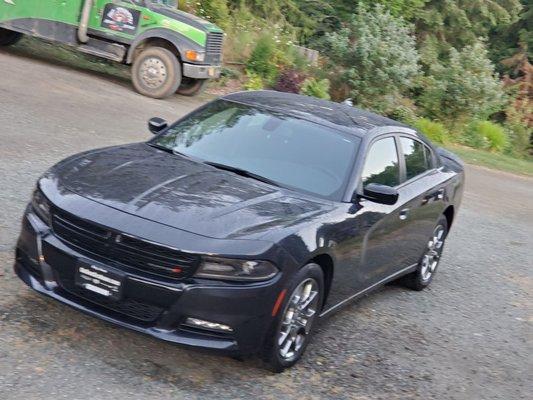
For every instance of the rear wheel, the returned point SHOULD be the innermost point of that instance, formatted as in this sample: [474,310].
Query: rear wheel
[156,73]
[294,324]
[191,86]
[7,37]
[427,267]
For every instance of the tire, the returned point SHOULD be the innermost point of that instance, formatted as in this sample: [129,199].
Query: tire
[156,73]
[276,354]
[427,266]
[7,37]
[191,87]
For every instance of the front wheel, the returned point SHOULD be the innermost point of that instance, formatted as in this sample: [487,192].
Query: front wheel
[191,87]
[156,73]
[427,267]
[7,37]
[293,326]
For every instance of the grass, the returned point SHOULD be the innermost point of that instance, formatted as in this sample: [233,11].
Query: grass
[487,159]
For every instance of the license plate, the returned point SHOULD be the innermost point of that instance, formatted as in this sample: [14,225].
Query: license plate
[211,72]
[99,279]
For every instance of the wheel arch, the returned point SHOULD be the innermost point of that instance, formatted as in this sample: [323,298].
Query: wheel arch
[326,263]
[449,213]
[172,41]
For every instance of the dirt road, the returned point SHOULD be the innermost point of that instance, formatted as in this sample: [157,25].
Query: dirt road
[468,337]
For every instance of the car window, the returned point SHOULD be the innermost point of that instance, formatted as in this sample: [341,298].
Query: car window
[381,165]
[416,159]
[293,152]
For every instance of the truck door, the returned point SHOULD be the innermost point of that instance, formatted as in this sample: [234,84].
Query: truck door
[118,19]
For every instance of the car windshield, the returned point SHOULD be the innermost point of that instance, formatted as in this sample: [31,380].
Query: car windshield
[289,151]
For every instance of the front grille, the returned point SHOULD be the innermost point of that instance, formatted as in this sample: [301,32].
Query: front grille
[130,307]
[147,257]
[214,43]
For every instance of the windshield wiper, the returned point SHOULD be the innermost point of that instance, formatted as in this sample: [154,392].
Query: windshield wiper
[242,172]
[167,149]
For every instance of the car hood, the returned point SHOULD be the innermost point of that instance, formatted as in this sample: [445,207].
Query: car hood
[176,191]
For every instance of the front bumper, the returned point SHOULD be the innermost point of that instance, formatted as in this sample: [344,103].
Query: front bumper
[201,71]
[157,308]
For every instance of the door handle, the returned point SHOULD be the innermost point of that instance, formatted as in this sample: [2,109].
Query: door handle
[438,195]
[404,213]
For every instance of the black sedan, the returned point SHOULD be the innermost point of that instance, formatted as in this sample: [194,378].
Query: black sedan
[241,225]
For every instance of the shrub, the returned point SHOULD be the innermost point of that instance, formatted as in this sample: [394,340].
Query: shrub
[290,81]
[435,131]
[465,88]
[262,60]
[316,88]
[376,57]
[254,82]
[486,135]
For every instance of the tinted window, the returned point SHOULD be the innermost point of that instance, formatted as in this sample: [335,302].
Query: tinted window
[290,151]
[416,159]
[381,165]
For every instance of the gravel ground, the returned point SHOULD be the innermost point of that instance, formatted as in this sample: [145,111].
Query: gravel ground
[468,337]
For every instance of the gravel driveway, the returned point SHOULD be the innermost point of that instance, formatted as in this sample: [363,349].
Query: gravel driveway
[468,337]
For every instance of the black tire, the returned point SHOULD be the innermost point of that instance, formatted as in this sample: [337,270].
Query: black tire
[156,73]
[272,351]
[191,87]
[423,276]
[7,37]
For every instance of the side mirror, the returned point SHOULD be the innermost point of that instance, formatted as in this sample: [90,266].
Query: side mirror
[380,193]
[157,125]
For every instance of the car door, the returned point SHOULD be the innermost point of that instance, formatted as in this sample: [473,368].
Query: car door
[423,194]
[119,19]
[384,243]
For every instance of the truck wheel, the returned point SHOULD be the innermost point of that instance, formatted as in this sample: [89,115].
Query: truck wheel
[191,87]
[156,73]
[7,37]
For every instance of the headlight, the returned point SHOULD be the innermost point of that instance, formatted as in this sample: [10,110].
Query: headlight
[193,55]
[236,270]
[41,206]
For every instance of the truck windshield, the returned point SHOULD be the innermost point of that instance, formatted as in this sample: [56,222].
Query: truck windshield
[168,3]
[291,152]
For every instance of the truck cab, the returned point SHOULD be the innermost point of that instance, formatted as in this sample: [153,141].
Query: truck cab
[169,50]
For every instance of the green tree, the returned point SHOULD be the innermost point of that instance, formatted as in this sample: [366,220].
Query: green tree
[464,88]
[376,57]
[461,22]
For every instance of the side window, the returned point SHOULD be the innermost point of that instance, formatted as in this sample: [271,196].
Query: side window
[417,157]
[381,165]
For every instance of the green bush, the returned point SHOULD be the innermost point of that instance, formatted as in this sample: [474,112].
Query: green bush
[254,82]
[262,60]
[316,88]
[486,135]
[464,88]
[435,131]
[375,57]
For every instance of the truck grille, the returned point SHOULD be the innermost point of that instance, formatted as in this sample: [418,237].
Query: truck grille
[214,43]
[116,247]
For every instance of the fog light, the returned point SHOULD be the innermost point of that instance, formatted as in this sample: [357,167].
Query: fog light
[200,323]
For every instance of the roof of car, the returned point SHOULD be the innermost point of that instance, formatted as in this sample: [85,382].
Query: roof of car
[313,109]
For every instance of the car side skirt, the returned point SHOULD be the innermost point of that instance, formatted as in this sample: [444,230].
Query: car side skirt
[363,292]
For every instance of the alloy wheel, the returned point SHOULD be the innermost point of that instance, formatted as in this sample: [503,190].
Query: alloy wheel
[431,258]
[298,318]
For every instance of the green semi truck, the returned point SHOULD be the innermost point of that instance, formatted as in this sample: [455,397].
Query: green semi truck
[169,50]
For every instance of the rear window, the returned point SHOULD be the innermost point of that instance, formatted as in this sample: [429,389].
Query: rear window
[417,157]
